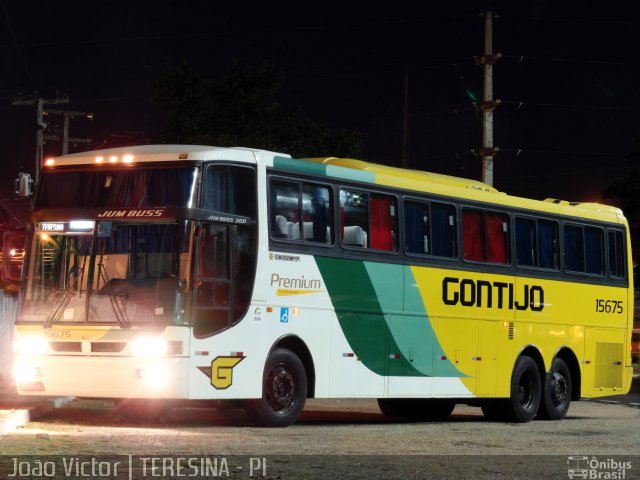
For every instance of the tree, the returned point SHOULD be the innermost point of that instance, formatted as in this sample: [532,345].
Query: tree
[635,147]
[242,110]
[626,192]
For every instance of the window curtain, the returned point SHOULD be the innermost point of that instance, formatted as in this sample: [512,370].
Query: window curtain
[548,244]
[414,228]
[525,242]
[472,236]
[442,230]
[497,250]
[380,221]
[573,249]
[594,252]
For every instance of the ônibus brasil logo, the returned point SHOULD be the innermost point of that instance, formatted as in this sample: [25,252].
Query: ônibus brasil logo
[595,468]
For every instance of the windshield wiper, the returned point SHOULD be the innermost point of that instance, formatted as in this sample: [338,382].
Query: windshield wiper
[61,307]
[67,294]
[118,307]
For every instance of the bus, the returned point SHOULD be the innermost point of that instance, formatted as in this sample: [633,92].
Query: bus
[157,275]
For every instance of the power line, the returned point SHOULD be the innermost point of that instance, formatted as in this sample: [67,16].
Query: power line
[548,19]
[520,104]
[556,173]
[522,58]
[245,32]
[15,44]
[519,151]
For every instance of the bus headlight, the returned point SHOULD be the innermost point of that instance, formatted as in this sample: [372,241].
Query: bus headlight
[148,347]
[30,346]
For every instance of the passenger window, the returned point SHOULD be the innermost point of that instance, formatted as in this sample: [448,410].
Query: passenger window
[548,254]
[584,249]
[485,236]
[301,211]
[472,236]
[285,209]
[526,252]
[430,229]
[368,220]
[594,250]
[316,214]
[573,249]
[497,251]
[536,243]
[616,254]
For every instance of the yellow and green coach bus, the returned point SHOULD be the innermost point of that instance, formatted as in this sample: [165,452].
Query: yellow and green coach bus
[160,274]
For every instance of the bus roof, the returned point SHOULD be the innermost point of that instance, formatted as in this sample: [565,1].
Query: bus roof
[446,185]
[408,174]
[157,153]
[347,168]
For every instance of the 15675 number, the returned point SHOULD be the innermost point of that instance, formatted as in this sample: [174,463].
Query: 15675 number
[609,306]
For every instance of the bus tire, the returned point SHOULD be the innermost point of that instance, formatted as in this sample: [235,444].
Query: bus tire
[284,391]
[526,391]
[416,408]
[393,407]
[436,409]
[556,395]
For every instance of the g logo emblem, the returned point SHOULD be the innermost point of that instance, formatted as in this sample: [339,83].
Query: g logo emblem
[222,371]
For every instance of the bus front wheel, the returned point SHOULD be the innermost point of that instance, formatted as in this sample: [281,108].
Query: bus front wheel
[284,391]
[556,396]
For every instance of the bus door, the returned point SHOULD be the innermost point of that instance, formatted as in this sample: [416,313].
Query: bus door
[226,249]
[213,281]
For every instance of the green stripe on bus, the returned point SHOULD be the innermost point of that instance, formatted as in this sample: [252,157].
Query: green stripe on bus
[357,309]
[320,169]
[351,174]
[418,328]
[368,298]
[293,165]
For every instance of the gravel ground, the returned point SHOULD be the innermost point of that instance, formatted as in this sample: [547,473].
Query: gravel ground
[346,437]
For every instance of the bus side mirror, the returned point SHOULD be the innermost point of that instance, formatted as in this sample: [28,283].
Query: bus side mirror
[24,185]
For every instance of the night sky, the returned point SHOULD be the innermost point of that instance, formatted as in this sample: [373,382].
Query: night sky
[568,80]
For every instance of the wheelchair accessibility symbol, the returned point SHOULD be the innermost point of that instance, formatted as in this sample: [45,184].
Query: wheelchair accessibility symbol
[284,315]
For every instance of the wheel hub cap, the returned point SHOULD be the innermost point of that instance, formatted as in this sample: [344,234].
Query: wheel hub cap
[559,388]
[282,390]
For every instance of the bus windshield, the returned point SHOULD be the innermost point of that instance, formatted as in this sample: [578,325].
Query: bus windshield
[139,188]
[108,273]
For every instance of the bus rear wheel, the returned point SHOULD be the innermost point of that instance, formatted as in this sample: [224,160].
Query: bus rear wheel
[416,408]
[284,391]
[556,395]
[526,391]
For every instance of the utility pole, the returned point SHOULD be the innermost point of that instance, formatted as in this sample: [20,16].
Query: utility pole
[405,123]
[488,103]
[40,125]
[65,130]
